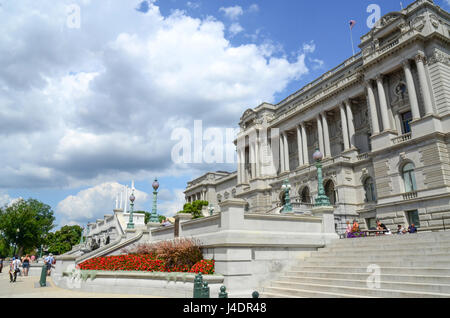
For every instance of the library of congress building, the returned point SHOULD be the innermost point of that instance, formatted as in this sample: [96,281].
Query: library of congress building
[381,120]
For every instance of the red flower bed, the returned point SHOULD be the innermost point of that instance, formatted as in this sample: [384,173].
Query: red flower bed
[146,262]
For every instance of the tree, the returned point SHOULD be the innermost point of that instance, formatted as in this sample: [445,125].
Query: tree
[147,216]
[195,208]
[26,222]
[63,240]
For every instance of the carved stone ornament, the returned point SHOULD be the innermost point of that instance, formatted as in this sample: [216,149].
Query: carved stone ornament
[403,156]
[434,21]
[418,23]
[364,171]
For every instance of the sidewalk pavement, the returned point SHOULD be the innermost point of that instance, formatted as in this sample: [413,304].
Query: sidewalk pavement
[27,287]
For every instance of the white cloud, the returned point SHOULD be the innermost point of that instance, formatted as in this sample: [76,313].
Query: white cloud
[173,204]
[232,13]
[235,28]
[193,5]
[95,202]
[309,47]
[85,106]
[6,200]
[255,8]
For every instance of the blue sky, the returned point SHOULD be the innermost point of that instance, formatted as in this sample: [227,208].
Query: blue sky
[86,108]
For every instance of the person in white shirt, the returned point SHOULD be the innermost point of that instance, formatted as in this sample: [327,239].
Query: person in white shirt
[14,268]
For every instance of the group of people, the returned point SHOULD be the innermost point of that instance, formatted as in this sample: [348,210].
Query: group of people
[353,229]
[24,262]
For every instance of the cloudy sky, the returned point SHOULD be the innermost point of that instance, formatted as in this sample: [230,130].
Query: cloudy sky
[92,90]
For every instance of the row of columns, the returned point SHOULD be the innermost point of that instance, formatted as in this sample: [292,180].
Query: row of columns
[411,93]
[197,196]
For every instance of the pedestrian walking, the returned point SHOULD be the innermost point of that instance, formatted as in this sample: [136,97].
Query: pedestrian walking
[14,268]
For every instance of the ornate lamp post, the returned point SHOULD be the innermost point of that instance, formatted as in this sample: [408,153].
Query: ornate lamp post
[211,210]
[130,224]
[153,214]
[322,199]
[15,245]
[287,206]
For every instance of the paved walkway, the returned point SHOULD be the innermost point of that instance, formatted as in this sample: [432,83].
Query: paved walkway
[26,287]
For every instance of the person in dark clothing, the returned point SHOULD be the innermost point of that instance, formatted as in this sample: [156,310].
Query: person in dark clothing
[412,229]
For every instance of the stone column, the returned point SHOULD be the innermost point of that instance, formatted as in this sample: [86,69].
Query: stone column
[372,108]
[281,153]
[420,59]
[239,173]
[252,159]
[383,103]
[286,152]
[320,134]
[411,91]
[300,146]
[257,157]
[351,125]
[326,135]
[305,145]
[344,127]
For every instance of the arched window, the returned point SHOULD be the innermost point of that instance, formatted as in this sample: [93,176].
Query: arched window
[305,195]
[409,178]
[369,188]
[330,192]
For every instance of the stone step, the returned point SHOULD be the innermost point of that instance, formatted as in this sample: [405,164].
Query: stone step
[381,258]
[356,291]
[424,279]
[386,239]
[427,249]
[274,292]
[380,262]
[370,243]
[394,270]
[362,283]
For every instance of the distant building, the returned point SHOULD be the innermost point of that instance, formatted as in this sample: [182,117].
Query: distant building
[381,119]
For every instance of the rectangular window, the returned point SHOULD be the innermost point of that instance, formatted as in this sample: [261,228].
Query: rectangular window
[406,120]
[371,223]
[413,218]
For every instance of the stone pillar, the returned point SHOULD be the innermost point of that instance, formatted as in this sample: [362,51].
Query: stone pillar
[420,59]
[320,134]
[239,173]
[326,135]
[252,160]
[372,108]
[383,104]
[300,147]
[411,91]
[282,169]
[344,127]
[286,152]
[305,145]
[257,157]
[351,125]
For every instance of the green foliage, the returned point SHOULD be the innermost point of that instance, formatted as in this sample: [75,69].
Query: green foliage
[195,208]
[63,240]
[147,216]
[34,220]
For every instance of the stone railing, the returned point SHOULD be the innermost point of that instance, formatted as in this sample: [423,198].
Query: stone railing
[402,138]
[363,156]
[410,195]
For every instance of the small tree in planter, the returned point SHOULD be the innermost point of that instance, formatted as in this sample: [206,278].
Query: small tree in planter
[195,208]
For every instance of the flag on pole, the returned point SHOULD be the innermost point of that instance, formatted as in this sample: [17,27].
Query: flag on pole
[352,23]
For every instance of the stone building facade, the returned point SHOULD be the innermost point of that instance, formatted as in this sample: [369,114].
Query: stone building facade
[382,121]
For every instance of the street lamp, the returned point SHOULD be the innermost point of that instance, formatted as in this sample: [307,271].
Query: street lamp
[287,206]
[211,210]
[154,214]
[322,199]
[15,246]
[130,224]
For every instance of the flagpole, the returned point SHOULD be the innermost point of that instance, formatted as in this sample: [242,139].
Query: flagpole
[351,37]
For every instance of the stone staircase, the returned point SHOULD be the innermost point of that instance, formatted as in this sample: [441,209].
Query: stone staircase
[412,265]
